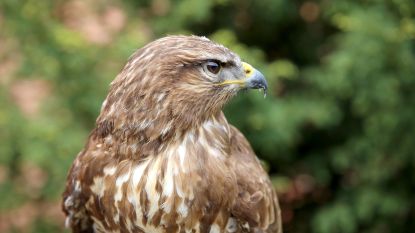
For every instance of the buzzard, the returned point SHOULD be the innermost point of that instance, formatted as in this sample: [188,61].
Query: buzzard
[163,158]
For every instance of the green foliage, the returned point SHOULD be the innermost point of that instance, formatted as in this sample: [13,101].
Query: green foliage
[336,131]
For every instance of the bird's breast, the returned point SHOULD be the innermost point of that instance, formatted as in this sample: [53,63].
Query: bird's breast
[187,187]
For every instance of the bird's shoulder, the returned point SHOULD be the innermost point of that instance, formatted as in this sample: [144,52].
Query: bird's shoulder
[87,166]
[256,202]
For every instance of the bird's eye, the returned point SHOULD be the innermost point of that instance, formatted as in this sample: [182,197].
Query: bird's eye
[213,67]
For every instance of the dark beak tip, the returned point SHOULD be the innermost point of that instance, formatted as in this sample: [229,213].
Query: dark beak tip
[258,82]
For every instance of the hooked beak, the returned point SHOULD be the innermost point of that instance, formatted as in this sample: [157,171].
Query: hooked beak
[253,79]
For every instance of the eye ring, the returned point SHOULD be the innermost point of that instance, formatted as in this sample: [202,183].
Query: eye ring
[212,67]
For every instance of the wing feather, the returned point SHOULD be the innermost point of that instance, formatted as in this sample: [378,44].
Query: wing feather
[257,202]
[73,203]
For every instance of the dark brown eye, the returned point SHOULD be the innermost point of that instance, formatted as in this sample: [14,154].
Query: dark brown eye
[213,67]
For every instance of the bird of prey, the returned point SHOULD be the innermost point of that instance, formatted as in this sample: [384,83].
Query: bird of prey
[163,158]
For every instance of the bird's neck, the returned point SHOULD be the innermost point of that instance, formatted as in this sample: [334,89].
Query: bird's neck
[142,139]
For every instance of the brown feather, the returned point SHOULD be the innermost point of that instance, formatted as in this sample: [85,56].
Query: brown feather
[163,158]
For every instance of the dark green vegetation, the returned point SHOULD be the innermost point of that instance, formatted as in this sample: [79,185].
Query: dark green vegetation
[337,130]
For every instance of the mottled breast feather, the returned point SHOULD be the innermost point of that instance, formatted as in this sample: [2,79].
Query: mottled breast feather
[163,158]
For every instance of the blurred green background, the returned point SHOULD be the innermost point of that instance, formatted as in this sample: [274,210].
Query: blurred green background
[337,130]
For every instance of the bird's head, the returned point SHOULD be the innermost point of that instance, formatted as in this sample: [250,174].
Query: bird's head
[179,79]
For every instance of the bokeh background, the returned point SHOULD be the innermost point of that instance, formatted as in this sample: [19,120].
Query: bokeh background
[336,132]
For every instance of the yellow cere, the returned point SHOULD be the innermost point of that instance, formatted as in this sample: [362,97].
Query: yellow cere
[249,70]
